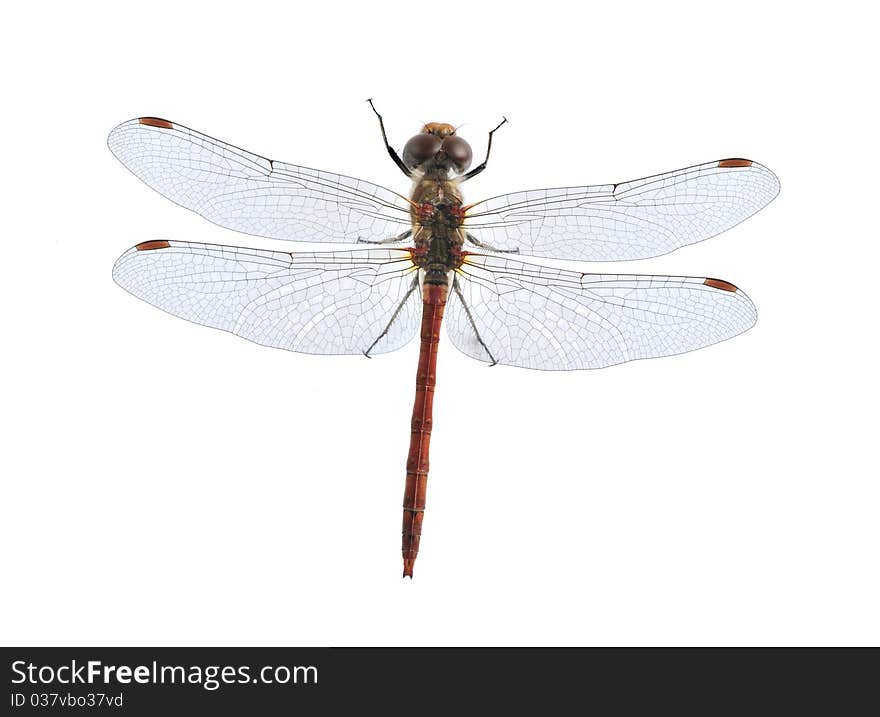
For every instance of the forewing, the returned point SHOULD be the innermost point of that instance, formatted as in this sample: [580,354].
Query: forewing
[630,220]
[251,194]
[320,303]
[553,319]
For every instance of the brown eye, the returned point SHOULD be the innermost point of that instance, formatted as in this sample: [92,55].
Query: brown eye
[419,149]
[459,153]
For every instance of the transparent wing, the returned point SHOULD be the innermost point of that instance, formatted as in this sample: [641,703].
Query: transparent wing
[320,303]
[553,319]
[251,194]
[631,220]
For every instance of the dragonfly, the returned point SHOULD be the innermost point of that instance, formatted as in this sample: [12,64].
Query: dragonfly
[426,258]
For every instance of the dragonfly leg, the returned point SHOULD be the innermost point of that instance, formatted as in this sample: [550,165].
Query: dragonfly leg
[412,288]
[457,289]
[476,170]
[399,237]
[397,160]
[488,247]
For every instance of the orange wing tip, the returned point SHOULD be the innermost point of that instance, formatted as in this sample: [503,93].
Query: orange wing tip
[719,284]
[735,163]
[155,122]
[151,245]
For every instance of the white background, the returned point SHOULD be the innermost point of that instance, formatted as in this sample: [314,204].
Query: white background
[164,483]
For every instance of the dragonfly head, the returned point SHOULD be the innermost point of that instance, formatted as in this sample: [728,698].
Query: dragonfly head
[437,147]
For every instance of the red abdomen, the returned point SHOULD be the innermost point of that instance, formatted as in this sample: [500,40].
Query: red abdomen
[434,301]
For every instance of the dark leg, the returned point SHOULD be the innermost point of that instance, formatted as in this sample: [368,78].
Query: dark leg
[488,247]
[412,288]
[397,160]
[474,172]
[399,237]
[467,311]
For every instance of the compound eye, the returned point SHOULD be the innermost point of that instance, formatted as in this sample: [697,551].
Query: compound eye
[459,153]
[419,149]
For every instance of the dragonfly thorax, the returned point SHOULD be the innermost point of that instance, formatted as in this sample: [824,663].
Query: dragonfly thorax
[438,232]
